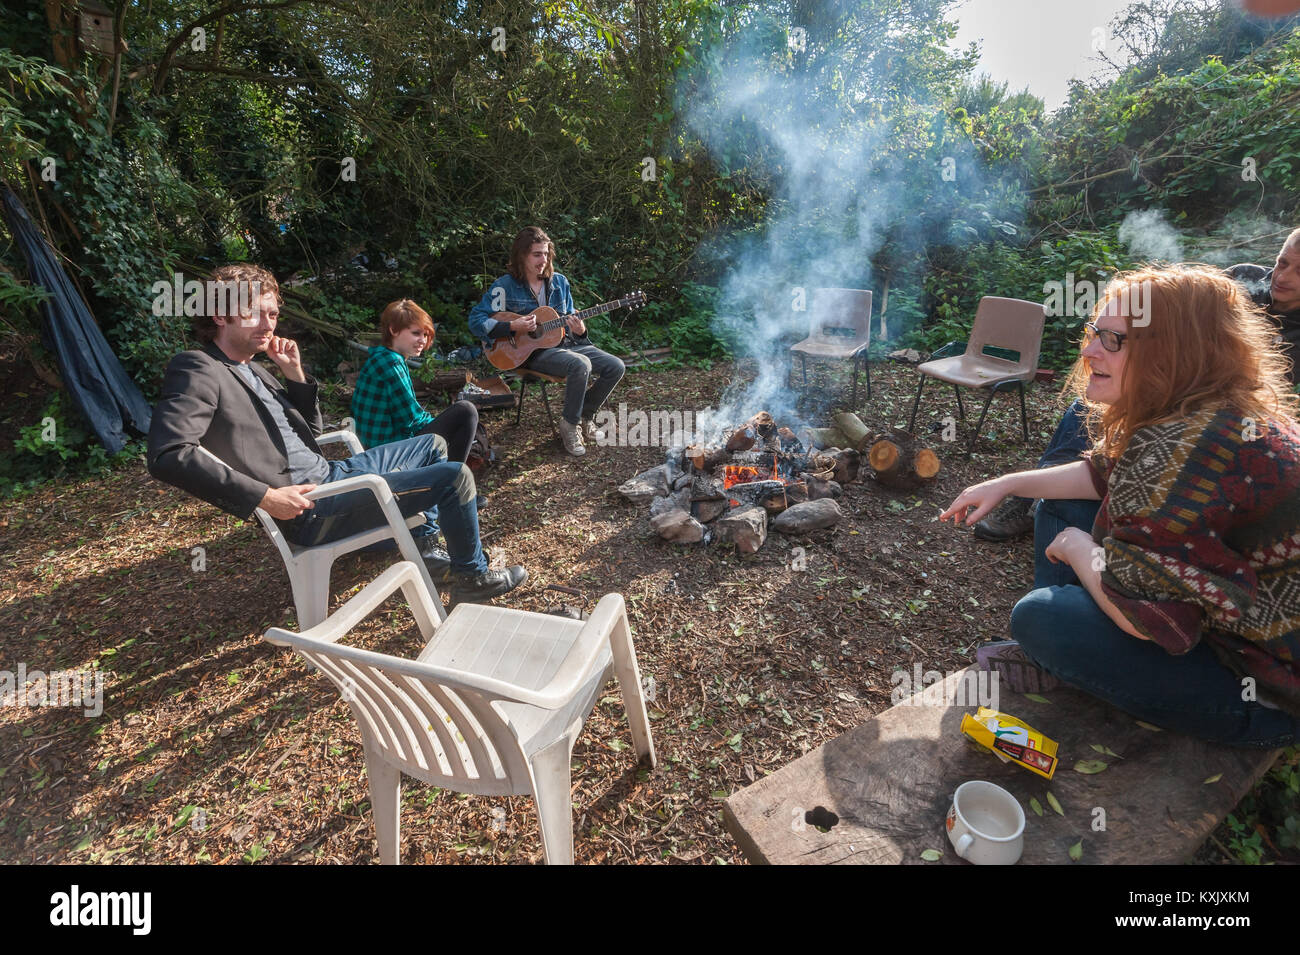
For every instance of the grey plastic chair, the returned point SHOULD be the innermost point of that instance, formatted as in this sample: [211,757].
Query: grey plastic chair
[1001,324]
[839,331]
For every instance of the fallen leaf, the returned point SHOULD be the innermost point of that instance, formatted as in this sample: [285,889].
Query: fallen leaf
[1090,766]
[1036,806]
[1076,851]
[1213,779]
[1036,698]
[1148,726]
[931,855]
[1106,750]
[1056,806]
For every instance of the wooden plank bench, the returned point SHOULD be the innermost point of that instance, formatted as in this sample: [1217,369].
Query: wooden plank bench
[890,781]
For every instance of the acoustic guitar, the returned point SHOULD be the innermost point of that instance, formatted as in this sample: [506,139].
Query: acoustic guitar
[512,351]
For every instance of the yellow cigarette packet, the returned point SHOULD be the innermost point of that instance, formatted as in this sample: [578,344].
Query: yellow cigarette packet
[1012,740]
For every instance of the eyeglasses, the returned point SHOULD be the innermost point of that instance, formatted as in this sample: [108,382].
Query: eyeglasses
[1111,341]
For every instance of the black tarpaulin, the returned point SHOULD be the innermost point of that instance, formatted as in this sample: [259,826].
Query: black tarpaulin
[95,379]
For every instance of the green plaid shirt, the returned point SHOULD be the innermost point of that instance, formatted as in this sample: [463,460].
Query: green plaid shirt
[383,403]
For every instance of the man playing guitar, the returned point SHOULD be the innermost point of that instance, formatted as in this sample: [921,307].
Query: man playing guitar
[531,283]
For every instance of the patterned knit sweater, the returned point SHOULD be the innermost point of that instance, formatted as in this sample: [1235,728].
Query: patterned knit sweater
[1200,523]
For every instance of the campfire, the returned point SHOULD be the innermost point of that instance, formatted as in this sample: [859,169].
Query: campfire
[730,490]
[760,475]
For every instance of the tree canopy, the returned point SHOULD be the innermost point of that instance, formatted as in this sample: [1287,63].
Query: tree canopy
[682,147]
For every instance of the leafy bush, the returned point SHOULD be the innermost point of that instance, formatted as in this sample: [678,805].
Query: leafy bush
[56,447]
[1266,825]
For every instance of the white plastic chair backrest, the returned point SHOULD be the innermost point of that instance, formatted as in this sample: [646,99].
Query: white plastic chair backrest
[841,316]
[1012,324]
[423,719]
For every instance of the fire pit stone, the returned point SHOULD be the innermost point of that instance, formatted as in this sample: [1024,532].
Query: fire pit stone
[817,488]
[746,529]
[678,526]
[648,485]
[711,510]
[705,488]
[808,516]
[677,501]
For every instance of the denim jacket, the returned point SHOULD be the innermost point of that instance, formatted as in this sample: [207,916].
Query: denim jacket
[517,297]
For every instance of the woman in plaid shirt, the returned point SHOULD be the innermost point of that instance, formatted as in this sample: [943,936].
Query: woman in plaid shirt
[384,407]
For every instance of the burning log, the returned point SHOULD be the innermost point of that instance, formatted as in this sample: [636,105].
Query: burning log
[901,461]
[759,429]
[742,439]
[705,459]
[763,424]
[758,492]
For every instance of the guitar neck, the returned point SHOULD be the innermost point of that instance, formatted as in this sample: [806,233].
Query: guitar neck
[583,315]
[598,309]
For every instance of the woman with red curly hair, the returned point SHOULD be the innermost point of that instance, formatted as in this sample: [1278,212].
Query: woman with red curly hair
[1181,604]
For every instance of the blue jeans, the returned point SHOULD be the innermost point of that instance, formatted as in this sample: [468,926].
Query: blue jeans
[577,365]
[1054,516]
[1062,629]
[420,477]
[1070,439]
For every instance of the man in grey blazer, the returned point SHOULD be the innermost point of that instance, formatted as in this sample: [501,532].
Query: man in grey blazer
[264,434]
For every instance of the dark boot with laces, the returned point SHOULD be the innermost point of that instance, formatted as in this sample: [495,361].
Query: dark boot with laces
[475,588]
[1013,518]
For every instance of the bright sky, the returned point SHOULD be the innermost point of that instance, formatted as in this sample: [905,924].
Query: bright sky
[1040,44]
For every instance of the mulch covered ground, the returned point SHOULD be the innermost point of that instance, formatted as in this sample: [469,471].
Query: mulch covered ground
[216,747]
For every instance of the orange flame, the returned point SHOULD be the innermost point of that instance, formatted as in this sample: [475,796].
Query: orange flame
[733,474]
[738,474]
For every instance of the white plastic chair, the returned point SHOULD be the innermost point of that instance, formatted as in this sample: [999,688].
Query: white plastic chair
[309,567]
[492,705]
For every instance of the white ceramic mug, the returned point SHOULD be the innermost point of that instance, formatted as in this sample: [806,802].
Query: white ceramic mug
[986,824]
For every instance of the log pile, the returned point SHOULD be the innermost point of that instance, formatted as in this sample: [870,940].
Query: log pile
[901,461]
